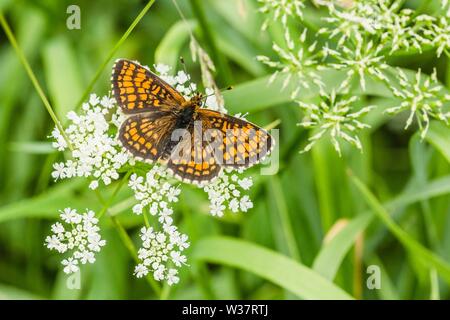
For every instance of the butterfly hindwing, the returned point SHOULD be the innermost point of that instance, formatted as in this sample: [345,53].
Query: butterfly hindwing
[241,143]
[146,136]
[192,160]
[137,90]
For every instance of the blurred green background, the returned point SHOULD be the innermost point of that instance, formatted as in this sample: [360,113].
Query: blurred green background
[312,194]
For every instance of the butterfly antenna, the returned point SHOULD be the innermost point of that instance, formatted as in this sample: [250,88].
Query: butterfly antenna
[187,74]
[221,90]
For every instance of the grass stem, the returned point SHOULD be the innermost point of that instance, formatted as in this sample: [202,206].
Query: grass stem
[32,77]
[112,52]
[199,13]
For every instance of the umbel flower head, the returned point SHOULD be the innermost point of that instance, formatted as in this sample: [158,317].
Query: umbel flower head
[423,97]
[297,65]
[379,20]
[364,59]
[78,234]
[96,153]
[334,116]
[161,253]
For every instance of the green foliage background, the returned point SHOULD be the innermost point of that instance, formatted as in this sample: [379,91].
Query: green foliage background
[275,251]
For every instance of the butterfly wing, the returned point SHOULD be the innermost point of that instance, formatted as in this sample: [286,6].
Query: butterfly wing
[146,136]
[136,89]
[241,143]
[192,160]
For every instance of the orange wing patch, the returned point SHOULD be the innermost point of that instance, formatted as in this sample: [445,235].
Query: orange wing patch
[136,89]
[146,137]
[242,144]
[192,160]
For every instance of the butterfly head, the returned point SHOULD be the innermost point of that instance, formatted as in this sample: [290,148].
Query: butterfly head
[197,99]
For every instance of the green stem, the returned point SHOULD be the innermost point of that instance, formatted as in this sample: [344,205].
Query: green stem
[112,52]
[132,250]
[198,269]
[322,171]
[121,230]
[165,292]
[285,219]
[32,77]
[209,39]
[111,199]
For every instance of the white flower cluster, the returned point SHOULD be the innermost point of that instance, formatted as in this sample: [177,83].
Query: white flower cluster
[79,234]
[296,65]
[161,253]
[424,98]
[227,192]
[95,152]
[441,35]
[281,9]
[364,59]
[360,37]
[335,117]
[156,192]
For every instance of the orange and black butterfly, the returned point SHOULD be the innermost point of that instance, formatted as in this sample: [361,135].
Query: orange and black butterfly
[193,142]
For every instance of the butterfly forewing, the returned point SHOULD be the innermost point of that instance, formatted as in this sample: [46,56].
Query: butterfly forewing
[137,90]
[146,136]
[241,143]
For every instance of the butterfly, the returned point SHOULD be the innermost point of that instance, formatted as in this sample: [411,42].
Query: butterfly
[162,126]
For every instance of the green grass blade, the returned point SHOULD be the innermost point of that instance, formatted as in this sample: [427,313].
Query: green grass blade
[112,52]
[427,257]
[439,136]
[285,219]
[168,50]
[330,257]
[47,204]
[32,76]
[269,265]
[60,63]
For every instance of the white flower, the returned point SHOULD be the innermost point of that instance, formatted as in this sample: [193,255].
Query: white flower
[160,250]
[71,265]
[140,271]
[177,258]
[162,69]
[245,183]
[172,277]
[60,144]
[53,242]
[181,77]
[93,185]
[245,203]
[80,235]
[59,172]
[69,215]
[85,257]
[57,228]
